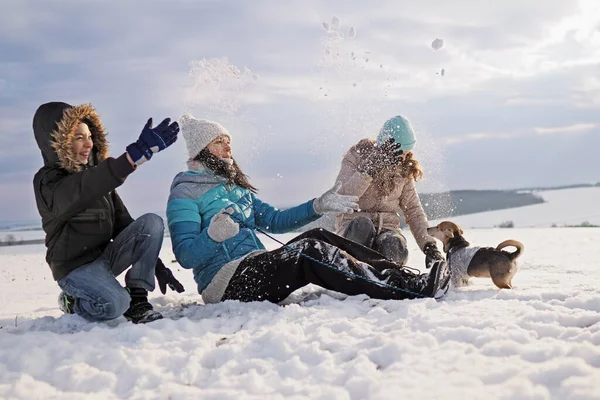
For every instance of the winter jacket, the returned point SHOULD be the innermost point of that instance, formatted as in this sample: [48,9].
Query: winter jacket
[383,211]
[80,210]
[196,196]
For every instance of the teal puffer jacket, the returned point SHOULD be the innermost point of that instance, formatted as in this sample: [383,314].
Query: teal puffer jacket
[196,197]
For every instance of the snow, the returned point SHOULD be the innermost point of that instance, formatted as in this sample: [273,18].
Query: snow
[540,340]
[335,23]
[216,86]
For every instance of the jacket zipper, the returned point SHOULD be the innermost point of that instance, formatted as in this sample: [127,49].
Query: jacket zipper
[110,214]
[88,217]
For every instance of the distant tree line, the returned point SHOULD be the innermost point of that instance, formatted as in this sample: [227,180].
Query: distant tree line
[12,240]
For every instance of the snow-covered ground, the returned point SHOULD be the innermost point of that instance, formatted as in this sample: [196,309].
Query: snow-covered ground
[540,340]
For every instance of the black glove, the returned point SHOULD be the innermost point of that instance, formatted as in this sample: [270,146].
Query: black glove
[432,254]
[376,158]
[165,277]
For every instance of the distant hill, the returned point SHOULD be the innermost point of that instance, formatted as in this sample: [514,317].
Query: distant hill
[458,202]
[574,186]
[461,202]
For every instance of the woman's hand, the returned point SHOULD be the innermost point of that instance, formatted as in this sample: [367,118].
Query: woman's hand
[222,227]
[331,200]
[375,158]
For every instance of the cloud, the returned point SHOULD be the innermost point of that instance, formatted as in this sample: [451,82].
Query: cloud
[575,129]
[566,130]
[513,69]
[477,136]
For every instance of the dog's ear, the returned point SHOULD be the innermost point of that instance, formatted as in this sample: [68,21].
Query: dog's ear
[449,233]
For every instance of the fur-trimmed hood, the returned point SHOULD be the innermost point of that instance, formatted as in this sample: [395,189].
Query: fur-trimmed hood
[54,126]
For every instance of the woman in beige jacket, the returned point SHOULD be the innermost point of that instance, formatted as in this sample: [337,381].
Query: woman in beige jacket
[382,173]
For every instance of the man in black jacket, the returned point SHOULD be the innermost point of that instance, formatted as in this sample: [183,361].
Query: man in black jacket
[90,236]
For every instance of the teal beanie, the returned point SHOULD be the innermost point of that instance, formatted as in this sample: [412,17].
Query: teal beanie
[401,130]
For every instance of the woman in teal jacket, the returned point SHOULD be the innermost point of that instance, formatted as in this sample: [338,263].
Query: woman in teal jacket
[213,213]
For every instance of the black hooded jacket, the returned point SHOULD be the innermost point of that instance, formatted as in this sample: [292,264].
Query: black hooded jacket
[80,209]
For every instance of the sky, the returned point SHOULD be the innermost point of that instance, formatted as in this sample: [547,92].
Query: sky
[517,104]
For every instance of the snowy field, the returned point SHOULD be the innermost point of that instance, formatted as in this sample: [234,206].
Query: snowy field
[540,340]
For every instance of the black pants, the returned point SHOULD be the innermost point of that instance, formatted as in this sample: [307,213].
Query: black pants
[390,243]
[327,260]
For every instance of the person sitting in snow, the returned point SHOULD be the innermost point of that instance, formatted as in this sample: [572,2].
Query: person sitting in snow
[212,215]
[90,236]
[382,173]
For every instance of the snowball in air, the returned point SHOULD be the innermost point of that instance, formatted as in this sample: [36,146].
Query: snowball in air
[335,22]
[437,44]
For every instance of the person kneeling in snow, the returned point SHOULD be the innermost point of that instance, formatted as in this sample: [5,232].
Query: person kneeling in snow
[90,236]
[382,173]
[212,215]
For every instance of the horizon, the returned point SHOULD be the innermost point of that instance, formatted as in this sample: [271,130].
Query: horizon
[298,83]
[37,221]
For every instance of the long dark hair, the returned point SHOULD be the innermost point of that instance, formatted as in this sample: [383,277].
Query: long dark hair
[232,173]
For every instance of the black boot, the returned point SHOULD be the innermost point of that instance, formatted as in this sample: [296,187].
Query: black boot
[140,310]
[433,284]
[438,280]
[66,303]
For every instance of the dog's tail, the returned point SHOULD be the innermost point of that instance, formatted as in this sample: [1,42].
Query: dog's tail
[514,255]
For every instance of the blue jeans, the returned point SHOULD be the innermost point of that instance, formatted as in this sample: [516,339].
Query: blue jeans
[99,295]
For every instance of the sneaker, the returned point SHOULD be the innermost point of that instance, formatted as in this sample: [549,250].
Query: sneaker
[142,312]
[66,303]
[438,283]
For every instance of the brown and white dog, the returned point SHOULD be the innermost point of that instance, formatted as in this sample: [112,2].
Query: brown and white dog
[483,262]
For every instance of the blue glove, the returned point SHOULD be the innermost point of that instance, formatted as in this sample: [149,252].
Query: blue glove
[153,140]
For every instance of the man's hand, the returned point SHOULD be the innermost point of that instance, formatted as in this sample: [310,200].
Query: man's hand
[152,140]
[165,278]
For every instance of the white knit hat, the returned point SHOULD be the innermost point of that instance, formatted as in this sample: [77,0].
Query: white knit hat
[198,133]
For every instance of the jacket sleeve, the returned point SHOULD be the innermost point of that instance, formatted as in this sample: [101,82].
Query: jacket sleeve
[414,215]
[191,245]
[354,183]
[273,220]
[122,216]
[67,195]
